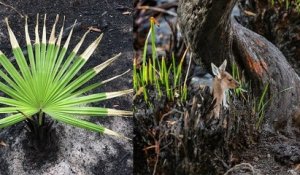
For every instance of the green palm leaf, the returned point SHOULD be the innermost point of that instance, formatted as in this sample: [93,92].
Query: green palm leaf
[43,81]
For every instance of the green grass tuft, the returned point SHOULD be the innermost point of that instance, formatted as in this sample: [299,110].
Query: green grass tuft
[157,73]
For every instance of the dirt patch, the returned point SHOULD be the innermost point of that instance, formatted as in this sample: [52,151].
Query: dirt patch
[78,151]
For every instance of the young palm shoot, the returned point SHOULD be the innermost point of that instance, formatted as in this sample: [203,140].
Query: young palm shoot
[44,83]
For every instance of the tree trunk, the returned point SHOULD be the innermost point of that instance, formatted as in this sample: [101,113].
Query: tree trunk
[214,35]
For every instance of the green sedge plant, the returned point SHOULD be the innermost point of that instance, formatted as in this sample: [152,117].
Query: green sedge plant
[47,83]
[261,106]
[262,103]
[239,77]
[157,73]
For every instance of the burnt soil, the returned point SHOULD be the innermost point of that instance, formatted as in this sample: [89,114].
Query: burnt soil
[75,151]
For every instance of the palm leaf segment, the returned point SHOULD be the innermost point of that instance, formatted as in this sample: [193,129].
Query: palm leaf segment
[46,83]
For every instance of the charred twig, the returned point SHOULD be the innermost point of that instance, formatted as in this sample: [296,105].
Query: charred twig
[189,66]
[155,166]
[156,143]
[157,151]
[123,158]
[196,118]
[241,166]
[94,29]
[166,146]
[123,8]
[186,120]
[107,3]
[182,143]
[77,26]
[194,108]
[169,113]
[2,143]
[157,9]
[150,147]
[6,5]
[222,161]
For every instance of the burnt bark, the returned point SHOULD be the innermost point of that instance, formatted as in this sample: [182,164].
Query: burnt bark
[214,35]
[279,24]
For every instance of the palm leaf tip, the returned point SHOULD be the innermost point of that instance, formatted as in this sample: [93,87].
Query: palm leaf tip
[13,41]
[26,31]
[60,33]
[52,38]
[90,50]
[44,40]
[113,133]
[115,77]
[118,93]
[66,45]
[119,112]
[37,38]
[100,67]
[77,47]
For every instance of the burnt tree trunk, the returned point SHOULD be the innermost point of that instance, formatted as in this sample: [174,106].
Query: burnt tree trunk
[214,35]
